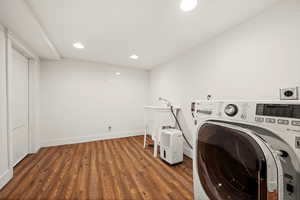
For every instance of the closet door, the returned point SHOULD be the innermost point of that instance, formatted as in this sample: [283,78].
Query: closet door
[18,102]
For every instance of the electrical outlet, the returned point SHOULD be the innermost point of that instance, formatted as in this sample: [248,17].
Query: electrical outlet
[109,128]
[289,93]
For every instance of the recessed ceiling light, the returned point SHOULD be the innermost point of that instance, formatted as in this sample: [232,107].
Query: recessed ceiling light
[78,45]
[188,5]
[118,73]
[134,57]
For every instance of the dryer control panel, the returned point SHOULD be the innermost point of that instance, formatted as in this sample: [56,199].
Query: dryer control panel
[282,115]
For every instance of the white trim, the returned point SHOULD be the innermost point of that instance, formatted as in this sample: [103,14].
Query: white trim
[35,150]
[19,160]
[7,173]
[5,178]
[8,95]
[33,105]
[12,42]
[30,137]
[91,138]
[18,45]
[42,30]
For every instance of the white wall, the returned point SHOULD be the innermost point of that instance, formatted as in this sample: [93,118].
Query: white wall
[79,100]
[251,61]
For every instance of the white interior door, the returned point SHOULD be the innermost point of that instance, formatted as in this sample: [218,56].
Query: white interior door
[18,102]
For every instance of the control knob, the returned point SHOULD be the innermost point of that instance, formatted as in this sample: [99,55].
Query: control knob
[231,110]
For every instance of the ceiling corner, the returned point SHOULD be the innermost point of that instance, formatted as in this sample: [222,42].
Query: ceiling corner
[43,31]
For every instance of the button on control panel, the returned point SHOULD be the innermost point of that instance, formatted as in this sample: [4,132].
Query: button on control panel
[278,121]
[283,121]
[259,119]
[296,123]
[270,120]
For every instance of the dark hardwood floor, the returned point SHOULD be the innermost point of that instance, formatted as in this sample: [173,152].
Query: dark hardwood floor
[106,170]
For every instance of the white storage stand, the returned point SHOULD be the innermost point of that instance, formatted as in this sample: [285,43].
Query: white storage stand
[171,146]
[155,118]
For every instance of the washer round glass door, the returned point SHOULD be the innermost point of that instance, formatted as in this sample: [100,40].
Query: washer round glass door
[231,164]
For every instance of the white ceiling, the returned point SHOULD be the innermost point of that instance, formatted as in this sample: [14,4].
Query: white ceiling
[18,18]
[112,30]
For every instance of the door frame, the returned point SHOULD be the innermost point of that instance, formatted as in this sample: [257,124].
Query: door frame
[13,43]
[10,84]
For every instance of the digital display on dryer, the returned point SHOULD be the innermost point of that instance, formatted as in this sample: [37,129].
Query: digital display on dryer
[278,110]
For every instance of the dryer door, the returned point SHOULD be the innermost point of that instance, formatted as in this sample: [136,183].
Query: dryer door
[231,164]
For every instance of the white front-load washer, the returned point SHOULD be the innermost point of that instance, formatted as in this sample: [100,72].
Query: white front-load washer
[247,150]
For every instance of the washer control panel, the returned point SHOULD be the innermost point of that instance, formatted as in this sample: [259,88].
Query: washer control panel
[271,114]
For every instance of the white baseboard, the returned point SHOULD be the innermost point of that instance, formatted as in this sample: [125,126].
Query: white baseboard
[35,149]
[188,152]
[19,160]
[5,178]
[91,138]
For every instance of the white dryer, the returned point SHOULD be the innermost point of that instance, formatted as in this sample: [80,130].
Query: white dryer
[247,150]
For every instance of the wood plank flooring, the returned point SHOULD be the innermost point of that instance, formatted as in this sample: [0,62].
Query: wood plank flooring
[117,169]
